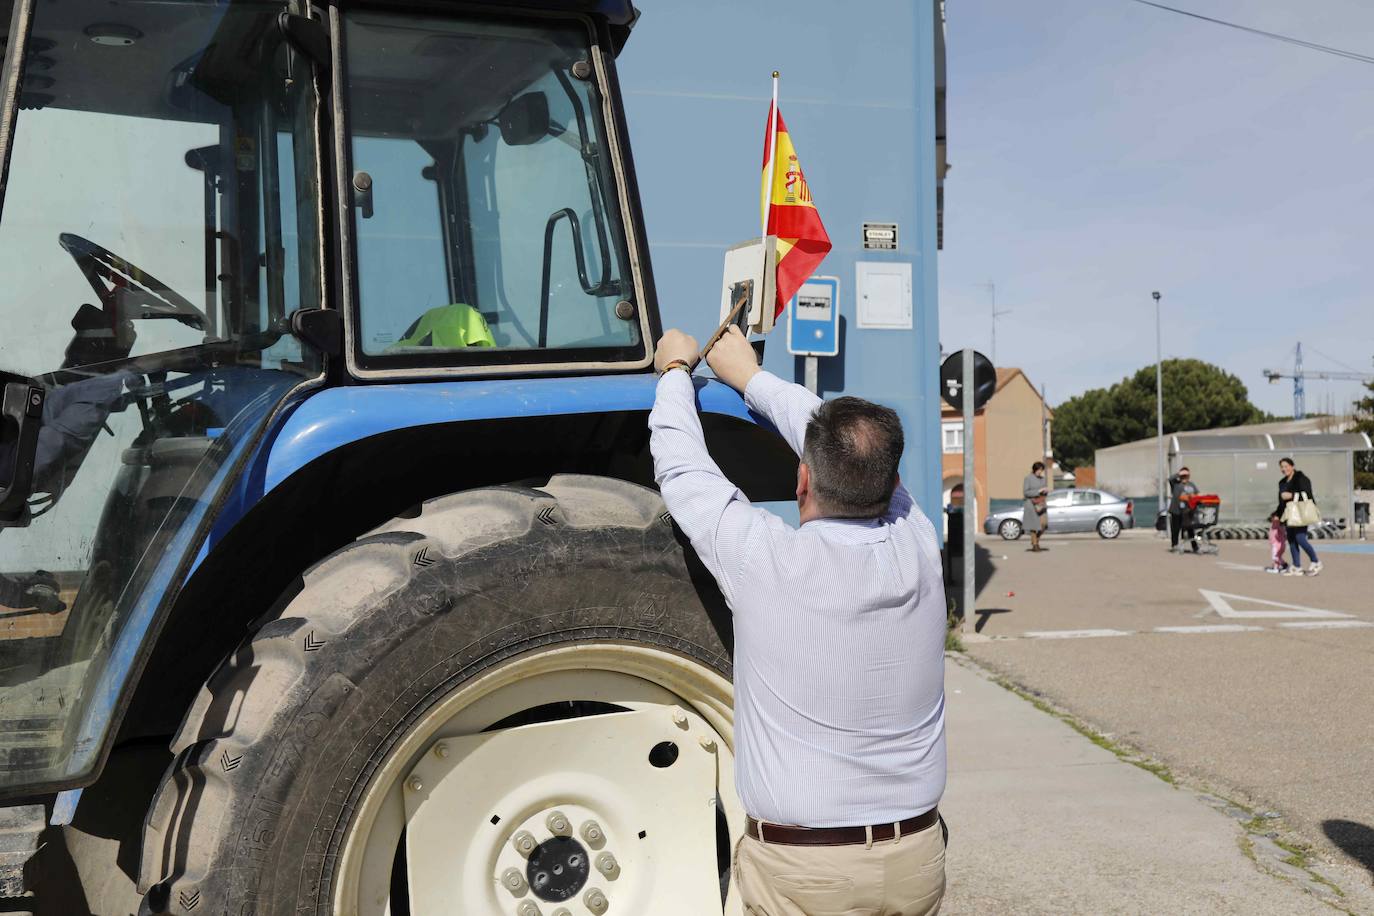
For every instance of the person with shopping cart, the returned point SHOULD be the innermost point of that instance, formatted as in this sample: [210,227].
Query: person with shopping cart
[1179,509]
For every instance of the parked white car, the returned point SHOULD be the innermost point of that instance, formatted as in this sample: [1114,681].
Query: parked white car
[1071,510]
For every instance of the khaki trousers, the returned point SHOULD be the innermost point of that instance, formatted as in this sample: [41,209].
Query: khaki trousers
[904,877]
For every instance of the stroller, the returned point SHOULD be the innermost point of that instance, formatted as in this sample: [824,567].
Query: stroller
[1203,511]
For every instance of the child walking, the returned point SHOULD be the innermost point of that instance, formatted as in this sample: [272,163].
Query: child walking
[1278,540]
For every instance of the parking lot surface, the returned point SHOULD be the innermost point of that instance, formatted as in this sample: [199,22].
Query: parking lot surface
[1254,685]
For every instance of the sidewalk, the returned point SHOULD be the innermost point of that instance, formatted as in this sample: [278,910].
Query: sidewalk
[1042,820]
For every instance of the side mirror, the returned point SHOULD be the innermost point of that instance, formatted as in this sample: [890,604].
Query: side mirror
[21,412]
[525,119]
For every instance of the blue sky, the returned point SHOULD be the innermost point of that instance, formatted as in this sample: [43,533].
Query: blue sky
[1102,149]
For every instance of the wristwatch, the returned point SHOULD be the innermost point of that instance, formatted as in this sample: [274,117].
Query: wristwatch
[677,364]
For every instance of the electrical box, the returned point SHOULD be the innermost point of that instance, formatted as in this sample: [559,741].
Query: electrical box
[882,295]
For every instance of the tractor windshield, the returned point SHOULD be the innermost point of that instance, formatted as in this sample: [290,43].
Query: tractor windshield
[159,227]
[488,222]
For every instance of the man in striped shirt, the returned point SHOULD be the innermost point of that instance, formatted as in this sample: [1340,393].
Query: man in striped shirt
[839,642]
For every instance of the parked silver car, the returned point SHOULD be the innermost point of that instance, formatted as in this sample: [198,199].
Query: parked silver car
[1071,510]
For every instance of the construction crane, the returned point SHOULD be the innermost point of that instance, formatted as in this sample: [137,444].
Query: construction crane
[1299,375]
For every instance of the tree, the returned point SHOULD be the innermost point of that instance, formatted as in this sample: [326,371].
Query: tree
[1364,423]
[1197,395]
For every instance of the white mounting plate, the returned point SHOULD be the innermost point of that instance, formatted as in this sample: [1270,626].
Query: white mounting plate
[756,261]
[591,767]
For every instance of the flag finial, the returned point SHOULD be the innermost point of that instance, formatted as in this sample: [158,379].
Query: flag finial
[775,74]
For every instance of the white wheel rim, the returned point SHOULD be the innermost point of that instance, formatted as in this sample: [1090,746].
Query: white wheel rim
[1111,527]
[662,691]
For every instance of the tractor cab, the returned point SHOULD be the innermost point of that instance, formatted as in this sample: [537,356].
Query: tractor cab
[214,209]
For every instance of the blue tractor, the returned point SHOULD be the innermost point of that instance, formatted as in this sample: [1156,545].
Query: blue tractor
[332,576]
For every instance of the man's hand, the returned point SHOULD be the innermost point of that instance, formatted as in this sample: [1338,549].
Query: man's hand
[733,360]
[674,344]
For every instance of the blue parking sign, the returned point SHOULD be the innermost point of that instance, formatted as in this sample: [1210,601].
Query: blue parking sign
[813,318]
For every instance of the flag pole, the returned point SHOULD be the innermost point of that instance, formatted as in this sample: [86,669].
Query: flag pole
[767,213]
[772,154]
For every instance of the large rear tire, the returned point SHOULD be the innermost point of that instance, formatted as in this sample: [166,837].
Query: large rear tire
[511,680]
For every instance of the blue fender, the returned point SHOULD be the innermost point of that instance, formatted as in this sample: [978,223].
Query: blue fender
[336,417]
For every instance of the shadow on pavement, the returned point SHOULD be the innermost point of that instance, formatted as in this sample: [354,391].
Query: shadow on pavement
[985,613]
[983,568]
[1355,840]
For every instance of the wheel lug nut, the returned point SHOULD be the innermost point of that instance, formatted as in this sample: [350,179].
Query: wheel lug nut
[441,749]
[562,911]
[527,908]
[607,865]
[707,744]
[679,717]
[524,843]
[416,784]
[595,901]
[514,881]
[591,832]
[558,824]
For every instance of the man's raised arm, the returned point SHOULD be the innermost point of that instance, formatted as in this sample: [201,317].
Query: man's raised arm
[709,509]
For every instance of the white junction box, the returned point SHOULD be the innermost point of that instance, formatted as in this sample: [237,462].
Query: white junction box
[882,294]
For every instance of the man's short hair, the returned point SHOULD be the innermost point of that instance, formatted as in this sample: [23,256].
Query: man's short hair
[1038,466]
[853,447]
[1184,468]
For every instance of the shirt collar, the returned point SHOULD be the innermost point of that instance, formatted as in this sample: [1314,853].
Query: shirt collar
[863,530]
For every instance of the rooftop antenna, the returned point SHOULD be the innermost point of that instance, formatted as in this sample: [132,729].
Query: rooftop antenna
[992,292]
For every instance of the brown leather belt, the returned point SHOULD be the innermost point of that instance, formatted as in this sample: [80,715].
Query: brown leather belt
[839,836]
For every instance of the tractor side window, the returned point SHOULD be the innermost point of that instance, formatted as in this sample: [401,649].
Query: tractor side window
[488,224]
[148,208]
[160,225]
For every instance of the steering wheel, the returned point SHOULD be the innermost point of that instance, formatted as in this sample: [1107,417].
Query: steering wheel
[130,291]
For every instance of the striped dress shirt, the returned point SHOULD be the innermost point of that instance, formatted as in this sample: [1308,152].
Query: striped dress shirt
[839,630]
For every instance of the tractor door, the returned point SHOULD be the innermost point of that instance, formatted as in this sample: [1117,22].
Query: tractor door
[490,199]
[160,224]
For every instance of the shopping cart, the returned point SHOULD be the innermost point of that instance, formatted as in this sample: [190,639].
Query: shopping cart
[1203,511]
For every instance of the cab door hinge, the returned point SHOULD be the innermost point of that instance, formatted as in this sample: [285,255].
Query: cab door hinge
[320,328]
[308,37]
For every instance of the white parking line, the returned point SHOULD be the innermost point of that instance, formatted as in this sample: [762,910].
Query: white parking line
[1074,634]
[1223,607]
[1326,624]
[1210,628]
[1204,628]
[1239,567]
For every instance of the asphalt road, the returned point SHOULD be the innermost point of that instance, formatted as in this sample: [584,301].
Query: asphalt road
[1259,687]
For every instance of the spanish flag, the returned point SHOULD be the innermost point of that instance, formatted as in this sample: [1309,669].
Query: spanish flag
[788,210]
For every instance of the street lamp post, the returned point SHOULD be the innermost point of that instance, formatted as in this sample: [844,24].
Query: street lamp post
[1159,397]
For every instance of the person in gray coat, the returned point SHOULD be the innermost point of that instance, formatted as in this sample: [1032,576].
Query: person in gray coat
[1034,515]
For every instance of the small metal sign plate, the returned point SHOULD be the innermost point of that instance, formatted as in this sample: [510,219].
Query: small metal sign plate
[880,236]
